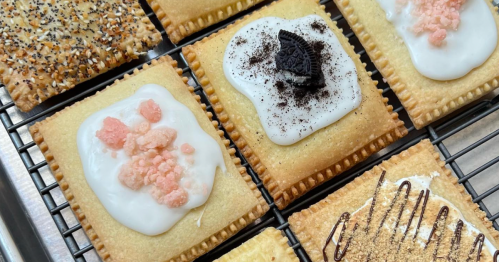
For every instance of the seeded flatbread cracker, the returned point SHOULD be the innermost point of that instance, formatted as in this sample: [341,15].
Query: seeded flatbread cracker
[48,47]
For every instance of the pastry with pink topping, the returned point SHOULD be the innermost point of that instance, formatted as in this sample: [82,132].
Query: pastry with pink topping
[143,167]
[436,55]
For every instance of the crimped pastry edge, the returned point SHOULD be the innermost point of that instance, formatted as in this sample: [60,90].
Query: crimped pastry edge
[26,102]
[195,251]
[419,118]
[304,238]
[284,197]
[271,232]
[179,32]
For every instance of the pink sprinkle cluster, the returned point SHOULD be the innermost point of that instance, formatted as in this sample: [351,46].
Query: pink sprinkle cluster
[152,160]
[436,17]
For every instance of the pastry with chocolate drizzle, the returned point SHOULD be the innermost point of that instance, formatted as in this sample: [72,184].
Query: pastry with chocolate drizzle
[409,209]
[435,237]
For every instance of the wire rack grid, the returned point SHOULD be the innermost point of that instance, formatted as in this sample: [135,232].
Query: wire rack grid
[15,122]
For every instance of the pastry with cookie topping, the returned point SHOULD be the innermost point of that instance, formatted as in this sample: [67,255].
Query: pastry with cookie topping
[294,96]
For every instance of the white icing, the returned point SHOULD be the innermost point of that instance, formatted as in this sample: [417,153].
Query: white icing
[285,126]
[137,209]
[466,48]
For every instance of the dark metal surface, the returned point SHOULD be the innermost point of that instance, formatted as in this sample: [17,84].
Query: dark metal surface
[18,225]
[15,124]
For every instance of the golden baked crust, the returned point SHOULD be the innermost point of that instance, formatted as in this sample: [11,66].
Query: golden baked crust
[424,99]
[183,18]
[313,225]
[268,246]
[290,171]
[47,47]
[222,218]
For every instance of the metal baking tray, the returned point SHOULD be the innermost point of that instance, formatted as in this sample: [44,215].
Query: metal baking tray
[37,224]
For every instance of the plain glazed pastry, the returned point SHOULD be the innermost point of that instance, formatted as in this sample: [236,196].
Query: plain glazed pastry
[183,18]
[268,246]
[130,169]
[435,61]
[301,117]
[409,208]
[47,47]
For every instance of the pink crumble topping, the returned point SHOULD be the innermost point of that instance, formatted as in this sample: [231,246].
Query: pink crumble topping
[152,159]
[113,133]
[436,17]
[150,110]
[187,149]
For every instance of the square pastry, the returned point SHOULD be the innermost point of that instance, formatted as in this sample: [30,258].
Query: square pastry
[268,246]
[409,208]
[434,65]
[167,188]
[183,18]
[47,47]
[296,131]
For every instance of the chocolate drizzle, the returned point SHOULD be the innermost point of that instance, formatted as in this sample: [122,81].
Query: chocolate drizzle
[442,215]
[413,213]
[478,241]
[456,241]
[423,208]
[338,255]
[436,235]
[373,203]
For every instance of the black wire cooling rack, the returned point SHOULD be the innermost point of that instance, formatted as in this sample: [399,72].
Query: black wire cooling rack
[437,133]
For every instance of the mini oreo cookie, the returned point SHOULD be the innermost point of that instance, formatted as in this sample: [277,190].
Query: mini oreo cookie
[298,61]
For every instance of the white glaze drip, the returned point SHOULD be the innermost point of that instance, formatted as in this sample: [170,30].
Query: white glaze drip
[290,124]
[137,209]
[465,49]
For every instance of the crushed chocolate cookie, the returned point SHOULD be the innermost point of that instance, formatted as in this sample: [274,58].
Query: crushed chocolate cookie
[241,41]
[298,62]
[318,47]
[318,26]
[289,106]
[264,52]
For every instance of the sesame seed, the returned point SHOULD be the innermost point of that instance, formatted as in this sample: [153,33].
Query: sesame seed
[90,62]
[54,84]
[11,71]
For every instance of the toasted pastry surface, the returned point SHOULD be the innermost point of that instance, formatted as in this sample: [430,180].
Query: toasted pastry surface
[290,171]
[183,18]
[268,246]
[424,99]
[234,201]
[313,225]
[47,47]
